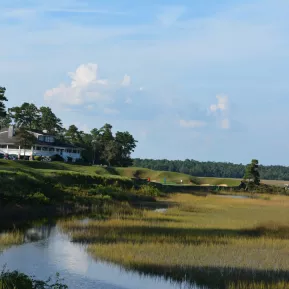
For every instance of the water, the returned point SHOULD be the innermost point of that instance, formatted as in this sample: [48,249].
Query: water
[162,210]
[52,252]
[234,196]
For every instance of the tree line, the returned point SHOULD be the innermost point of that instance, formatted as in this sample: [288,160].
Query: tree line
[212,169]
[100,145]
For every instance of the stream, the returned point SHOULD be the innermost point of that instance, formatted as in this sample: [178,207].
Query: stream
[48,251]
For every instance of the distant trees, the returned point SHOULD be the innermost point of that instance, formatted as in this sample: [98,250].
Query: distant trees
[212,169]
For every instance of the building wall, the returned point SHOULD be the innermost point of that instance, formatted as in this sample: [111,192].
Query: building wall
[28,152]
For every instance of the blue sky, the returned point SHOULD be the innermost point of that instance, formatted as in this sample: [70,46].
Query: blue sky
[204,80]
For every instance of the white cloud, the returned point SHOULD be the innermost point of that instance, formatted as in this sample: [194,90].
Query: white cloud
[86,74]
[222,104]
[85,87]
[192,123]
[126,80]
[221,109]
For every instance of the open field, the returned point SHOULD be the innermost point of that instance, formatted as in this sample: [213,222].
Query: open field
[210,241]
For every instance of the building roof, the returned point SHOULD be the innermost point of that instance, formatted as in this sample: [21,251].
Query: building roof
[4,139]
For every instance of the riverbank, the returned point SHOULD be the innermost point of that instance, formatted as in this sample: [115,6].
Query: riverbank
[32,190]
[209,241]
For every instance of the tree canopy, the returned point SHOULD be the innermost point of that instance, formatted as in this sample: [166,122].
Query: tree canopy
[252,172]
[49,121]
[2,100]
[27,116]
[101,146]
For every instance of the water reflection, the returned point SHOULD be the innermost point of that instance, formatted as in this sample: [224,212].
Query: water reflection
[51,252]
[234,196]
[37,233]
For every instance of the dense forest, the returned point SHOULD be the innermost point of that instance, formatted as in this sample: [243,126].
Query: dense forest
[212,169]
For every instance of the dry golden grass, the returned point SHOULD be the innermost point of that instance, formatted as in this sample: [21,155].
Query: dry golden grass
[11,238]
[201,237]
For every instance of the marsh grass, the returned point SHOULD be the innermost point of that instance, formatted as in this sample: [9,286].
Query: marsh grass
[11,238]
[8,239]
[212,241]
[259,285]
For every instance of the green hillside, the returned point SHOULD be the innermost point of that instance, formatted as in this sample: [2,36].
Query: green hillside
[172,178]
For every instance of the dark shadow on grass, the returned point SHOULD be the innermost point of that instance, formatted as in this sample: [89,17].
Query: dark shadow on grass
[156,219]
[154,205]
[145,234]
[43,165]
[271,230]
[212,277]
[112,171]
[93,233]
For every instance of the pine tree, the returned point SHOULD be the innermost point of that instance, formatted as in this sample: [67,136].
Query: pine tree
[252,172]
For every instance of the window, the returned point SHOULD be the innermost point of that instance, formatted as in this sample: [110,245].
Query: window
[68,150]
[58,150]
[51,149]
[38,148]
[41,138]
[74,151]
[49,139]
[44,148]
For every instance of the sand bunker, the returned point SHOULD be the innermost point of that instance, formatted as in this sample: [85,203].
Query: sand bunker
[223,185]
[205,185]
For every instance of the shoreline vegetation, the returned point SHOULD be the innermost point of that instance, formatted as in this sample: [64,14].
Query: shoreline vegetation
[31,190]
[199,237]
[212,241]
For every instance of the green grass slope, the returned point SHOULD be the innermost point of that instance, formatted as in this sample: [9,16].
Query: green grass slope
[172,178]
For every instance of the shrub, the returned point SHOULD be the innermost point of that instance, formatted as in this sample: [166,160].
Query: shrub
[57,158]
[38,198]
[149,191]
[69,159]
[38,158]
[19,280]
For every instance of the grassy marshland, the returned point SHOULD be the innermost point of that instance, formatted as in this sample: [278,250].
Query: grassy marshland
[213,241]
[10,238]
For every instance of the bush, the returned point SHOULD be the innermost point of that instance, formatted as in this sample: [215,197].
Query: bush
[17,280]
[38,198]
[57,158]
[69,159]
[38,158]
[149,191]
